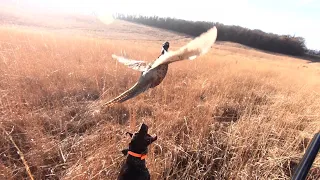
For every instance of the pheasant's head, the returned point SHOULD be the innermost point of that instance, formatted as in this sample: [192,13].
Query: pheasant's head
[166,46]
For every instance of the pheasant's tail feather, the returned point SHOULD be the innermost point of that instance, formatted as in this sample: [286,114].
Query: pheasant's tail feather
[130,93]
[120,97]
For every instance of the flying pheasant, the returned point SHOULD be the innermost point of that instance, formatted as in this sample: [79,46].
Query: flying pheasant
[154,72]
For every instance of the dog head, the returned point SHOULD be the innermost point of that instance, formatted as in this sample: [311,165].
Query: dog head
[140,141]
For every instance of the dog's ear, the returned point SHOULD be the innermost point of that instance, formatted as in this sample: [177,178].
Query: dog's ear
[130,134]
[125,152]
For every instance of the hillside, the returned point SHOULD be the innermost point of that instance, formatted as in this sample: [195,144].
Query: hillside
[256,38]
[235,113]
[89,25]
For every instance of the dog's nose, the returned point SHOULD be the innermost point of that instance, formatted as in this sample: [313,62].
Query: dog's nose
[155,138]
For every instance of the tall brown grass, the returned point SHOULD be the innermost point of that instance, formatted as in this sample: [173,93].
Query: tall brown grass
[234,113]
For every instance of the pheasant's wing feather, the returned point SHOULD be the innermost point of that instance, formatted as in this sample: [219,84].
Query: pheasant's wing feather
[192,50]
[134,64]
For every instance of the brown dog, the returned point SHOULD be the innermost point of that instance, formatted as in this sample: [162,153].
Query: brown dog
[134,167]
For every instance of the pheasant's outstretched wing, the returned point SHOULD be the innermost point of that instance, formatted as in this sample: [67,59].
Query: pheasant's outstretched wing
[192,50]
[134,64]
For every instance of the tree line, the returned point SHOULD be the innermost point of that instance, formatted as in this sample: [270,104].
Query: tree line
[285,44]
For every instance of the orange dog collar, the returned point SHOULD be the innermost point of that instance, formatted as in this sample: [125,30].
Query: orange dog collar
[141,156]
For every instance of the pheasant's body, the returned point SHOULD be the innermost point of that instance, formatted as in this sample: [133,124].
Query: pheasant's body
[157,74]
[160,72]
[154,73]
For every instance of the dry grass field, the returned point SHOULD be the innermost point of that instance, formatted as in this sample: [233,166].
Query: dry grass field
[234,113]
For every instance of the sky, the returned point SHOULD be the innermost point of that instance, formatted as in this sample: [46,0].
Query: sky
[288,17]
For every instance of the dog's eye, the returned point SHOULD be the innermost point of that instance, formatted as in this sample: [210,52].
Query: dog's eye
[148,140]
